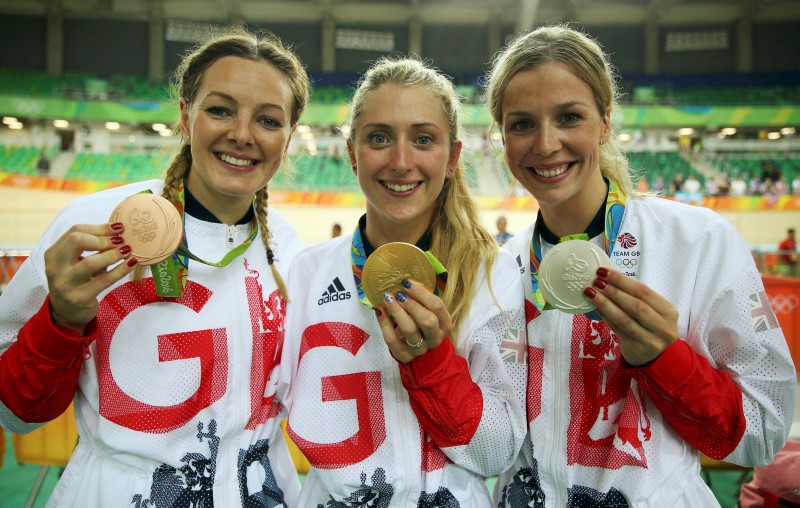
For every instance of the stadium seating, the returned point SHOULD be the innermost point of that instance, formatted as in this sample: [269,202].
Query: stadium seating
[140,89]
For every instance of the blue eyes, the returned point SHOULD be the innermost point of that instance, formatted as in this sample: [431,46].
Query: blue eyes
[221,112]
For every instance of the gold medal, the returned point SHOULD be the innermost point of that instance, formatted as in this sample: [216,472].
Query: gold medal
[390,264]
[153,227]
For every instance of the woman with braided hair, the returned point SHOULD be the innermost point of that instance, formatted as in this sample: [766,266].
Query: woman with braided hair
[172,390]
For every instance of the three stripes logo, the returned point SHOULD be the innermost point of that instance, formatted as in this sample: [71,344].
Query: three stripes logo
[334,293]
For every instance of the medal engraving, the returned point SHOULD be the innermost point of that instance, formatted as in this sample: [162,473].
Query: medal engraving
[153,227]
[390,264]
[566,270]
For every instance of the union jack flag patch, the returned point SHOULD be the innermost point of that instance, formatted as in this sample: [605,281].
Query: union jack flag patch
[513,348]
[761,311]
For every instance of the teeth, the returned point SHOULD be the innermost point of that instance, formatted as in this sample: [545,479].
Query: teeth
[549,173]
[235,161]
[400,188]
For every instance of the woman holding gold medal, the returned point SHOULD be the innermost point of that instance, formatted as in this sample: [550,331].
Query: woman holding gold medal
[405,346]
[650,334]
[170,377]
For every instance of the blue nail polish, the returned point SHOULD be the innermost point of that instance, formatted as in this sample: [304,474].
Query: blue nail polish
[388,297]
[406,283]
[401,297]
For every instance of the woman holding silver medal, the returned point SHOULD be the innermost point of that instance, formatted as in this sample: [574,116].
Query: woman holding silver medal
[170,378]
[631,373]
[405,346]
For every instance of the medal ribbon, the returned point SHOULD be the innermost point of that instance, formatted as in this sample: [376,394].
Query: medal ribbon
[171,274]
[615,209]
[359,257]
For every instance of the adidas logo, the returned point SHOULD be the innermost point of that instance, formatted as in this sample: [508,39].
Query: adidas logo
[519,263]
[334,293]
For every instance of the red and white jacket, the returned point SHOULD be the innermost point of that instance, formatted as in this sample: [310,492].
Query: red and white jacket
[173,397]
[380,433]
[603,433]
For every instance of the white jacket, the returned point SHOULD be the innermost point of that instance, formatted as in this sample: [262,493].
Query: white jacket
[351,415]
[175,404]
[596,438]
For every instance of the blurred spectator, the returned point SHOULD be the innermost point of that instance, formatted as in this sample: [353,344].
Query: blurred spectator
[502,235]
[788,256]
[692,185]
[781,187]
[658,185]
[756,187]
[724,186]
[336,230]
[43,164]
[642,185]
[796,185]
[738,186]
[677,183]
[777,484]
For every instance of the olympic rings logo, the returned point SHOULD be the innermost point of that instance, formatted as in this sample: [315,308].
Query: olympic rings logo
[575,286]
[627,262]
[147,237]
[784,304]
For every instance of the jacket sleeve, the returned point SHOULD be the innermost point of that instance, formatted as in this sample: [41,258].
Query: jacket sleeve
[736,377]
[39,371]
[462,396]
[702,404]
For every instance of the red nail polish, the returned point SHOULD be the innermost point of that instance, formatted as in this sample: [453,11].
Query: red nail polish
[117,240]
[132,261]
[125,249]
[589,292]
[600,283]
[378,312]
[117,226]
[603,271]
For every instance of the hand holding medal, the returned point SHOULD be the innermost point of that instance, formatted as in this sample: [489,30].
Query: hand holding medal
[386,268]
[399,280]
[85,261]
[153,227]
[566,270]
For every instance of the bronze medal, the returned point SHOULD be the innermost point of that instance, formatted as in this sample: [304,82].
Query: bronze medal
[389,265]
[153,227]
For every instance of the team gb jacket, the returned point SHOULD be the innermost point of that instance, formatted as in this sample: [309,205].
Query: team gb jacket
[174,402]
[353,407]
[603,433]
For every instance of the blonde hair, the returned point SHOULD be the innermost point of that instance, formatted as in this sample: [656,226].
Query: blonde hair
[457,238]
[584,56]
[188,76]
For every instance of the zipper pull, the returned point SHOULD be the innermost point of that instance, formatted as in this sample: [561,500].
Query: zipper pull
[230,240]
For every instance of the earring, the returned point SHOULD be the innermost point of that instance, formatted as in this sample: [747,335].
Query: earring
[602,142]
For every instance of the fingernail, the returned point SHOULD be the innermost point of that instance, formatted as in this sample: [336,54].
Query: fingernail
[589,292]
[132,261]
[600,283]
[378,312]
[116,240]
[401,297]
[117,226]
[388,297]
[406,283]
[603,271]
[125,249]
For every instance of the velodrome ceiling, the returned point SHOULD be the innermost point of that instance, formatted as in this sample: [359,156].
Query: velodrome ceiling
[521,13]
